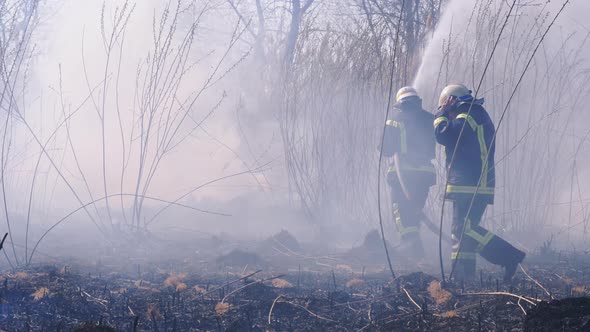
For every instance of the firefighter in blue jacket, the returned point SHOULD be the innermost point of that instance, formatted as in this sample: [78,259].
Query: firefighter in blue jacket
[465,129]
[410,141]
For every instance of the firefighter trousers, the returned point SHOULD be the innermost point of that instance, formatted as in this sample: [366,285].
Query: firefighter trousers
[408,213]
[469,239]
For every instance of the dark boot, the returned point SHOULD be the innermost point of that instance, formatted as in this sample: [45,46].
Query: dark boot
[498,251]
[510,268]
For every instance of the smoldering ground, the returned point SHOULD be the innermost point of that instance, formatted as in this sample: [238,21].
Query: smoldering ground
[120,114]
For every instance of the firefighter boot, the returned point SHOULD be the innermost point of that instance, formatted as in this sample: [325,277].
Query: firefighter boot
[498,251]
[510,268]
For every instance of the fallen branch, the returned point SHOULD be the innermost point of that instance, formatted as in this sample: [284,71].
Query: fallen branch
[301,255]
[536,282]
[230,283]
[521,308]
[310,312]
[500,293]
[272,307]
[93,299]
[411,299]
[370,319]
[248,285]
[465,308]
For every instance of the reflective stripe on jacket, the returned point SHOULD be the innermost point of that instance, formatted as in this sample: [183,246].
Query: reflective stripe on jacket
[409,134]
[475,147]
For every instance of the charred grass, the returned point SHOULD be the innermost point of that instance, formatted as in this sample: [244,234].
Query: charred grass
[181,297]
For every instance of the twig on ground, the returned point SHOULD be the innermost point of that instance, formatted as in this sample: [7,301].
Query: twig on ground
[536,282]
[248,285]
[467,307]
[272,307]
[521,308]
[310,312]
[94,299]
[370,320]
[411,299]
[230,283]
[501,293]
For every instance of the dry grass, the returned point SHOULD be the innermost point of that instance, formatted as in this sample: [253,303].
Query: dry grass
[221,308]
[181,287]
[449,314]
[145,286]
[40,293]
[152,311]
[175,279]
[281,283]
[199,289]
[567,281]
[581,290]
[356,282]
[122,290]
[21,275]
[440,295]
[344,268]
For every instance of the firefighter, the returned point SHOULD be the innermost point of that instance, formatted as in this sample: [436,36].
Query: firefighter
[465,129]
[409,141]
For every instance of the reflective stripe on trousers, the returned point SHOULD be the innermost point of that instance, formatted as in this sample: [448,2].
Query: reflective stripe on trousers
[469,190]
[400,226]
[468,251]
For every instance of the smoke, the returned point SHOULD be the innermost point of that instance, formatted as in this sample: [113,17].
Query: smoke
[542,152]
[75,64]
[123,98]
[179,102]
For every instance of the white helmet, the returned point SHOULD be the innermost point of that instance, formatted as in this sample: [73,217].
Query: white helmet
[455,90]
[405,92]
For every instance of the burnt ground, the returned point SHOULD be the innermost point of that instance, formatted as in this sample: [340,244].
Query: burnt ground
[276,285]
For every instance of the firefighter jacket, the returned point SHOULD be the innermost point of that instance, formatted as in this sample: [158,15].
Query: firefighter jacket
[409,134]
[472,169]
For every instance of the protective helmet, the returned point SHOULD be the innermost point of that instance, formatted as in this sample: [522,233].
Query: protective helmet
[457,90]
[405,92]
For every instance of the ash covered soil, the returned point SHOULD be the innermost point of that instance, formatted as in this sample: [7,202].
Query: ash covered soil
[278,284]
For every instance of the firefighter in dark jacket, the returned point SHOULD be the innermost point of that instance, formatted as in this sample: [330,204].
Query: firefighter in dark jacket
[409,140]
[465,129]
